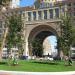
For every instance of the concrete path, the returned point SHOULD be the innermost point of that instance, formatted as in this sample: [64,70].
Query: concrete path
[36,73]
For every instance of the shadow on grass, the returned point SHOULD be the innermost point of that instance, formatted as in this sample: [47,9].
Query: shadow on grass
[45,62]
[3,63]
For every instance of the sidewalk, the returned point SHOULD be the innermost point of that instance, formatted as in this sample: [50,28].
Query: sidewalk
[36,73]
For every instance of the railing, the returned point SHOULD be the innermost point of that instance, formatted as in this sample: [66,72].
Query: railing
[42,14]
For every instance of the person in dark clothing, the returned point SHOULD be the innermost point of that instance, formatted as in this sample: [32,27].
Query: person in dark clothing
[70,61]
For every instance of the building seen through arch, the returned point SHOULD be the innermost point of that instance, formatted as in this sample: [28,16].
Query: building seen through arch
[47,47]
[50,44]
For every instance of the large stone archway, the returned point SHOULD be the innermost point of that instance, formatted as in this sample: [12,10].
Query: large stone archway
[41,32]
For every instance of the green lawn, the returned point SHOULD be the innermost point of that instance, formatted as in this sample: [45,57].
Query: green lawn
[38,66]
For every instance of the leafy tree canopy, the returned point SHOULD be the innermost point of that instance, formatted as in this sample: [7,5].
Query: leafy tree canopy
[15,28]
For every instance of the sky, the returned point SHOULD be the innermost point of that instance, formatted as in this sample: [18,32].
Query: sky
[26,3]
[53,40]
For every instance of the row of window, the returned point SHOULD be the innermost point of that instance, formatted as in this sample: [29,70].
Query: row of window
[71,4]
[45,5]
[51,14]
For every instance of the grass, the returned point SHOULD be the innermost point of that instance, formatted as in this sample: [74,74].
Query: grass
[38,66]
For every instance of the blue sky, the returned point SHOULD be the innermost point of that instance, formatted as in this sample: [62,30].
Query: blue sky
[53,40]
[26,3]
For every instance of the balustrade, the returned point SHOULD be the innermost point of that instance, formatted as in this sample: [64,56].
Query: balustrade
[43,14]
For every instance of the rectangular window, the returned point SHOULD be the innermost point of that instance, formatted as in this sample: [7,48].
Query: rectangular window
[74,9]
[57,13]
[0,35]
[4,25]
[45,14]
[63,9]
[23,14]
[73,51]
[0,24]
[69,4]
[1,30]
[74,4]
[51,13]
[39,15]
[29,16]
[74,13]
[50,5]
[34,15]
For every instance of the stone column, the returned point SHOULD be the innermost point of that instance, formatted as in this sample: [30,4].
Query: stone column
[31,16]
[42,15]
[26,16]
[26,52]
[48,14]
[54,16]
[25,45]
[36,15]
[66,9]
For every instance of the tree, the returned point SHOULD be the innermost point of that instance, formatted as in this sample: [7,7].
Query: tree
[4,2]
[37,48]
[37,3]
[15,36]
[67,35]
[73,36]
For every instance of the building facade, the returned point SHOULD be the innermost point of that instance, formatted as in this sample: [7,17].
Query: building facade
[15,4]
[41,22]
[47,50]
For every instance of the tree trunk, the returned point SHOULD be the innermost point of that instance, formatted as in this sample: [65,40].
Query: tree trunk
[3,43]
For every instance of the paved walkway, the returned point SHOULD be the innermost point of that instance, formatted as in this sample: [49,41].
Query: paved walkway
[36,73]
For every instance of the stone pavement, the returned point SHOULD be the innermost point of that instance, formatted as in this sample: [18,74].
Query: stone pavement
[35,73]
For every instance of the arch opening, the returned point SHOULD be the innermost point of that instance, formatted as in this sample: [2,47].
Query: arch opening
[38,36]
[50,46]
